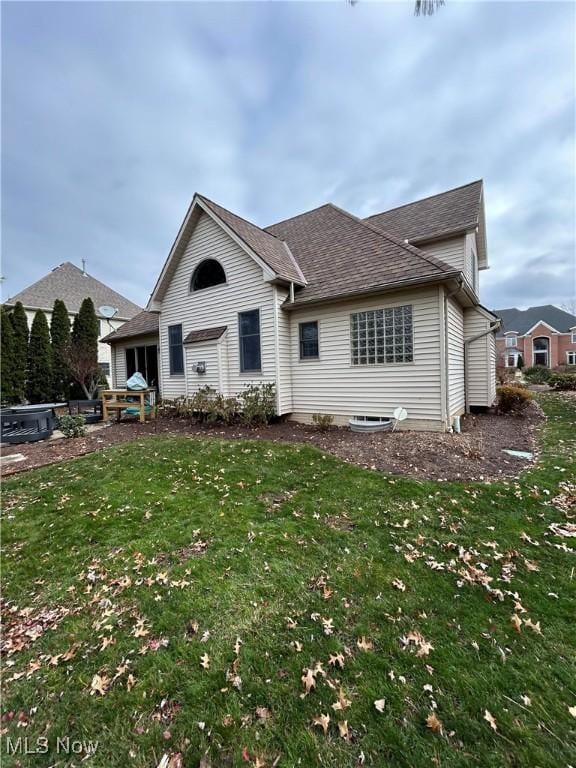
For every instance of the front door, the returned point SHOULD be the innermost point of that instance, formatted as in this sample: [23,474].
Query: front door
[541,351]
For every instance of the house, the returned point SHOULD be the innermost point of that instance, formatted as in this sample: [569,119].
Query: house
[72,285]
[540,335]
[346,316]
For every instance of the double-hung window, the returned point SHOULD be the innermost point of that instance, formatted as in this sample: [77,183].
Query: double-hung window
[249,335]
[176,351]
[308,333]
[511,340]
[571,358]
[382,336]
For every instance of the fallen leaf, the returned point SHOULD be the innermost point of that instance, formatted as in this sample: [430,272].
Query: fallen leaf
[342,703]
[516,622]
[380,704]
[336,660]
[309,680]
[434,723]
[99,684]
[364,644]
[572,711]
[323,721]
[263,713]
[205,661]
[490,719]
[343,729]
[399,584]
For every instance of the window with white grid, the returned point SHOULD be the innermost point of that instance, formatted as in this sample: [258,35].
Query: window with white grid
[382,336]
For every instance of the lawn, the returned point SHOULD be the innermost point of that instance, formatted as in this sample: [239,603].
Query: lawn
[191,602]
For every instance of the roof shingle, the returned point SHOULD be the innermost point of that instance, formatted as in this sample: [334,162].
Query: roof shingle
[434,216]
[272,250]
[522,320]
[342,255]
[69,283]
[205,334]
[142,323]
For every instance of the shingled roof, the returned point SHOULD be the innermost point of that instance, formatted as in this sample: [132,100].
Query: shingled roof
[435,216]
[342,255]
[69,283]
[272,250]
[522,320]
[141,324]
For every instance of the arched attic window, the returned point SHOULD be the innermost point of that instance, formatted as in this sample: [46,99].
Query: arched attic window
[208,273]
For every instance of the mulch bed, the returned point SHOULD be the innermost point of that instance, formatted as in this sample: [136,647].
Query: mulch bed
[475,454]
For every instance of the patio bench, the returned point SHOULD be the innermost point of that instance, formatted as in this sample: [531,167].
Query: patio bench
[26,427]
[90,409]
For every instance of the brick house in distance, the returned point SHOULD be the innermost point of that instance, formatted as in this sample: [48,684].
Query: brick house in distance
[541,335]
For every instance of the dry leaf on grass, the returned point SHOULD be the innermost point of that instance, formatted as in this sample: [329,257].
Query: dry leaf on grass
[516,622]
[364,644]
[342,703]
[99,684]
[308,681]
[336,660]
[323,721]
[490,719]
[399,584]
[434,723]
[205,661]
[343,730]
[380,704]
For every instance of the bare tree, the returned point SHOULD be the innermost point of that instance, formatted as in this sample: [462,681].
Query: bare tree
[569,306]
[83,367]
[427,7]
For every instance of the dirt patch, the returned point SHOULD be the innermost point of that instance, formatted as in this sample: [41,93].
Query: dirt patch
[475,454]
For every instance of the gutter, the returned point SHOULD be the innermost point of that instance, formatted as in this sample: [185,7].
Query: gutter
[376,290]
[492,327]
[446,364]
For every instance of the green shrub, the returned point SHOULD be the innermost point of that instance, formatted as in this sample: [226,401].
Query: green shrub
[537,374]
[513,398]
[224,409]
[323,421]
[563,382]
[258,404]
[72,426]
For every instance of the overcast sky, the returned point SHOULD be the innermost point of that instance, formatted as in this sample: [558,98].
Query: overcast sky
[114,114]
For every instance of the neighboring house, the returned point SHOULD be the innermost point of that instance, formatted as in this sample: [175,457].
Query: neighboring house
[541,335]
[347,316]
[72,284]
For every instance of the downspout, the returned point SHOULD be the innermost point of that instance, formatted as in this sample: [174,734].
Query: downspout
[493,327]
[446,367]
[291,293]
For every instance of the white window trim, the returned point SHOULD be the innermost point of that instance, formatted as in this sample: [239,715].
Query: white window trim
[573,337]
[508,355]
[570,353]
[512,340]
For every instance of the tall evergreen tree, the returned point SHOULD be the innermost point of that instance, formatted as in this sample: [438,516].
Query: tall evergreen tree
[7,394]
[21,336]
[60,335]
[39,385]
[83,355]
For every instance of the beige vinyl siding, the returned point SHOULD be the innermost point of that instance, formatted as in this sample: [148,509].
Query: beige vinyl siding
[118,355]
[480,359]
[244,290]
[284,384]
[457,253]
[333,385]
[455,352]
[206,352]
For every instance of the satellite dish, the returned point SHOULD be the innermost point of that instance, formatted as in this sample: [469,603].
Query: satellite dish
[400,414]
[107,311]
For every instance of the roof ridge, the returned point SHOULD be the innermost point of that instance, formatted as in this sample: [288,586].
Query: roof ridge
[406,246]
[297,216]
[247,221]
[423,199]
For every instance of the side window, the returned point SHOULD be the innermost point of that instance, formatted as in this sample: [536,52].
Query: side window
[207,274]
[308,333]
[249,335]
[175,349]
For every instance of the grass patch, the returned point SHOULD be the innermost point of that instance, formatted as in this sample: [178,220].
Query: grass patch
[124,569]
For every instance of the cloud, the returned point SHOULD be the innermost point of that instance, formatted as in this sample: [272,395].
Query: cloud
[114,114]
